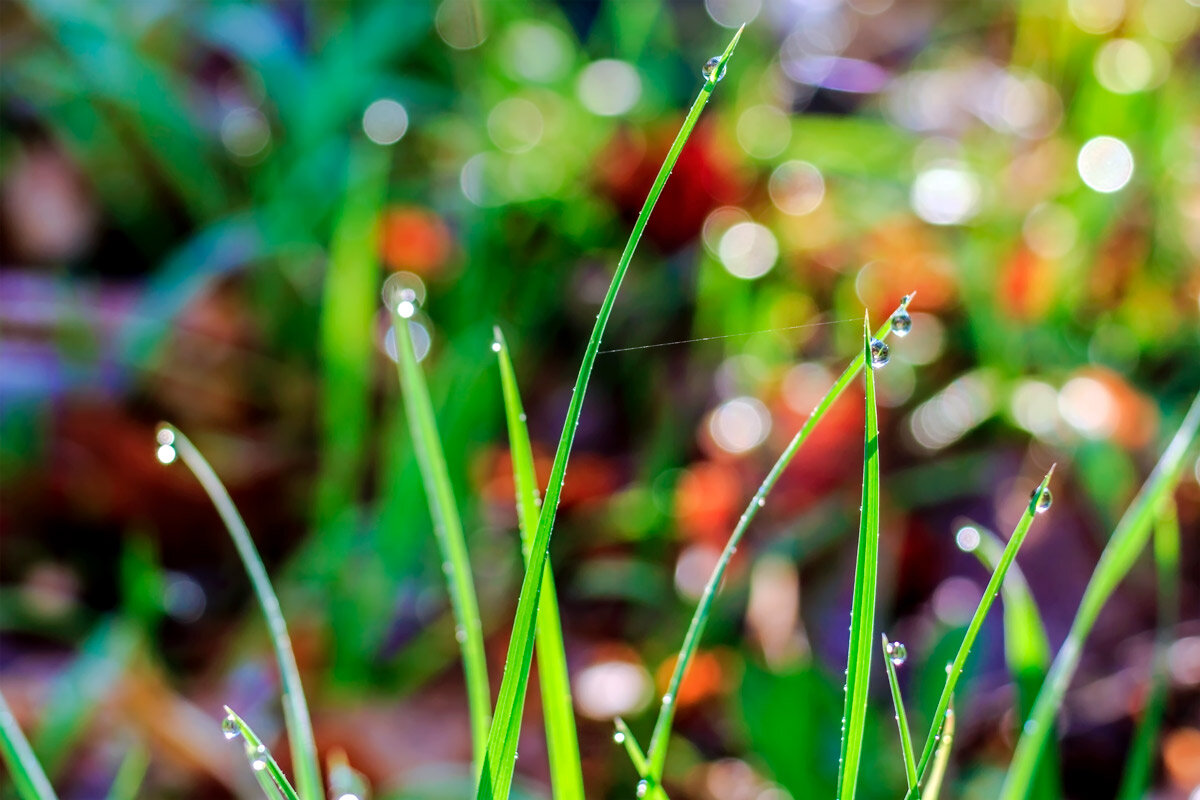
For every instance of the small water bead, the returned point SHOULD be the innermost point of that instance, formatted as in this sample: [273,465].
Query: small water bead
[901,323]
[897,653]
[879,354]
[399,296]
[1041,502]
[619,737]
[642,787]
[164,435]
[230,728]
[165,453]
[495,347]
[710,67]
[258,757]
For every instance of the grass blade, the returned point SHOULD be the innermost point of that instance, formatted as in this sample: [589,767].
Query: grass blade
[27,774]
[562,743]
[985,604]
[447,524]
[1026,646]
[941,758]
[889,659]
[344,780]
[1127,541]
[625,737]
[666,714]
[1140,764]
[295,707]
[130,774]
[862,614]
[265,768]
[496,778]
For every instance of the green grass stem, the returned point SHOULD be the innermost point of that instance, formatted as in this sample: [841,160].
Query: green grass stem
[262,763]
[26,772]
[626,739]
[906,747]
[1127,542]
[562,742]
[447,527]
[941,758]
[496,778]
[295,707]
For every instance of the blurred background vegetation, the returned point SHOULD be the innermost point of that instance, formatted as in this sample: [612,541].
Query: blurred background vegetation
[200,200]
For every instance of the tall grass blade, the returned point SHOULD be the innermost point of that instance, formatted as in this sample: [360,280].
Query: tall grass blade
[1026,646]
[1127,541]
[985,604]
[862,614]
[941,759]
[447,525]
[496,779]
[906,747]
[295,707]
[27,774]
[263,764]
[562,743]
[666,715]
[1139,766]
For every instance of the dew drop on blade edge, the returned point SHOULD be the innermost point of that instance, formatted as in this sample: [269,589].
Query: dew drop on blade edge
[879,354]
[1041,502]
[710,68]
[901,323]
[230,728]
[897,653]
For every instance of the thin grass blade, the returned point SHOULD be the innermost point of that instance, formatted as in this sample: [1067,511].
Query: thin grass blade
[625,737]
[27,773]
[262,763]
[862,614]
[1127,541]
[496,779]
[906,747]
[447,524]
[1139,767]
[130,774]
[941,758]
[295,707]
[562,742]
[1026,646]
[985,604]
[666,715]
[344,780]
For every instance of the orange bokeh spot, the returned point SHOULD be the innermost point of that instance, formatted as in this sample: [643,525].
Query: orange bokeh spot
[414,239]
[704,678]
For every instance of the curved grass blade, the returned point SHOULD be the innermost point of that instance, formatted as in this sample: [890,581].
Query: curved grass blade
[344,780]
[447,525]
[941,758]
[1140,764]
[130,774]
[862,614]
[496,778]
[910,765]
[27,774]
[1026,646]
[625,737]
[265,768]
[295,707]
[562,742]
[985,604]
[691,641]
[1127,541]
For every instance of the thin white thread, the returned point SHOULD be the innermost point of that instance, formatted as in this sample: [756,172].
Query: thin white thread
[725,336]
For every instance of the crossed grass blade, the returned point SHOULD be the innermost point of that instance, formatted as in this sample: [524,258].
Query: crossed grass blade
[1118,557]
[955,669]
[447,525]
[662,726]
[562,742]
[26,771]
[295,708]
[495,779]
[941,758]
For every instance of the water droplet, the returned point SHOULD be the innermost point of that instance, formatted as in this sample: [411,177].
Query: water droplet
[762,501]
[710,67]
[399,296]
[642,787]
[230,727]
[901,323]
[897,653]
[460,633]
[495,347]
[667,698]
[619,737]
[1041,502]
[165,453]
[164,435]
[879,354]
[258,757]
